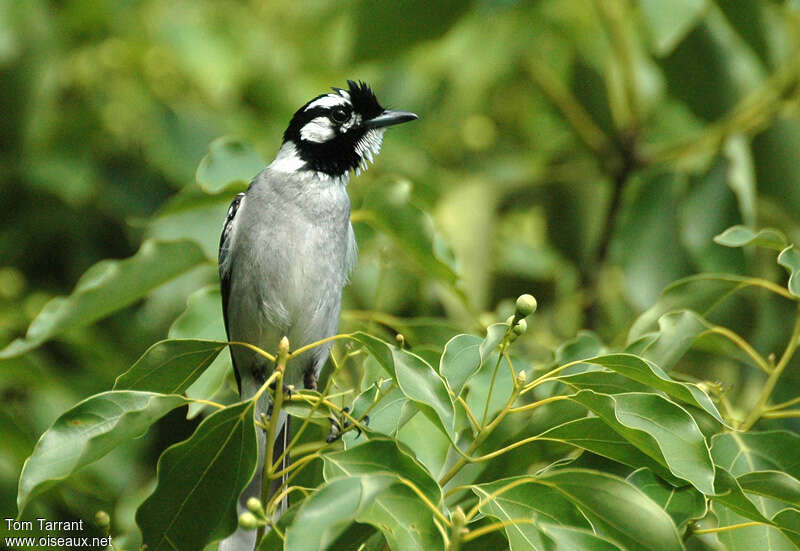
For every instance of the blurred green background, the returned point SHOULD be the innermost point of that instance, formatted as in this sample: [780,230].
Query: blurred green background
[584,151]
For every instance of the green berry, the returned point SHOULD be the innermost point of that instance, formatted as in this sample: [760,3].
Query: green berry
[521,327]
[254,506]
[248,521]
[526,305]
[102,519]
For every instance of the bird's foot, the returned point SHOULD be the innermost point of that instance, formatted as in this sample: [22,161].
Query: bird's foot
[310,380]
[338,427]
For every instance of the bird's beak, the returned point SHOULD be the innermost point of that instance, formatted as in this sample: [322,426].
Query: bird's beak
[388,118]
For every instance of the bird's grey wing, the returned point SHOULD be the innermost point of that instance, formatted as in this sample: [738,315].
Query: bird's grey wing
[224,263]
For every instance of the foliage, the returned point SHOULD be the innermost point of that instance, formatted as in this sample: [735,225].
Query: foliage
[634,166]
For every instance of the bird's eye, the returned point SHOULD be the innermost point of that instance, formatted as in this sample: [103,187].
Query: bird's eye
[339,115]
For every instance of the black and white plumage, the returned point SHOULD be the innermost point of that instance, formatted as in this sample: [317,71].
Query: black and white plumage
[287,248]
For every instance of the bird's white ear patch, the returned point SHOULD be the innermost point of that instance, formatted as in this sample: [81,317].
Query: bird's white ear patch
[317,130]
[328,100]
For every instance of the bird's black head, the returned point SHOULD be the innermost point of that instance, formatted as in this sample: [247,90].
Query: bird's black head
[338,132]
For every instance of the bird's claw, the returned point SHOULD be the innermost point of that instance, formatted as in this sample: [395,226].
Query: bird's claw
[337,427]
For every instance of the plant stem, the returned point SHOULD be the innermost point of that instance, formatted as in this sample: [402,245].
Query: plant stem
[772,381]
[277,404]
[728,528]
[762,364]
[482,435]
[491,386]
[483,530]
[255,349]
[318,343]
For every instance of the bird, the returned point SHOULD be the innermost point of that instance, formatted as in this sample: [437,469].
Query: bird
[287,250]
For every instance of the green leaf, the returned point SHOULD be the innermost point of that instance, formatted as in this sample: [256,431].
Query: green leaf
[199,483]
[389,210]
[730,494]
[585,344]
[676,333]
[669,23]
[107,287]
[775,484]
[569,538]
[646,372]
[618,508]
[525,498]
[659,428]
[739,236]
[603,381]
[465,354]
[378,456]
[745,452]
[193,215]
[594,435]
[370,498]
[416,379]
[228,161]
[700,293]
[331,509]
[386,416]
[790,259]
[87,432]
[170,366]
[740,454]
[202,319]
[405,521]
[788,522]
[682,504]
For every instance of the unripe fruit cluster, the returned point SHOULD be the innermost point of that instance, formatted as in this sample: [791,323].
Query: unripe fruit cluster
[526,305]
[254,516]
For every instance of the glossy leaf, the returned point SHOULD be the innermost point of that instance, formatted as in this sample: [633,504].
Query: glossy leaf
[202,319]
[775,484]
[788,522]
[367,498]
[676,333]
[740,236]
[594,435]
[682,504]
[618,508]
[416,379]
[568,538]
[106,287]
[228,161]
[199,482]
[87,432]
[386,416]
[659,428]
[790,259]
[526,499]
[377,456]
[700,293]
[464,355]
[170,366]
[648,373]
[742,453]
